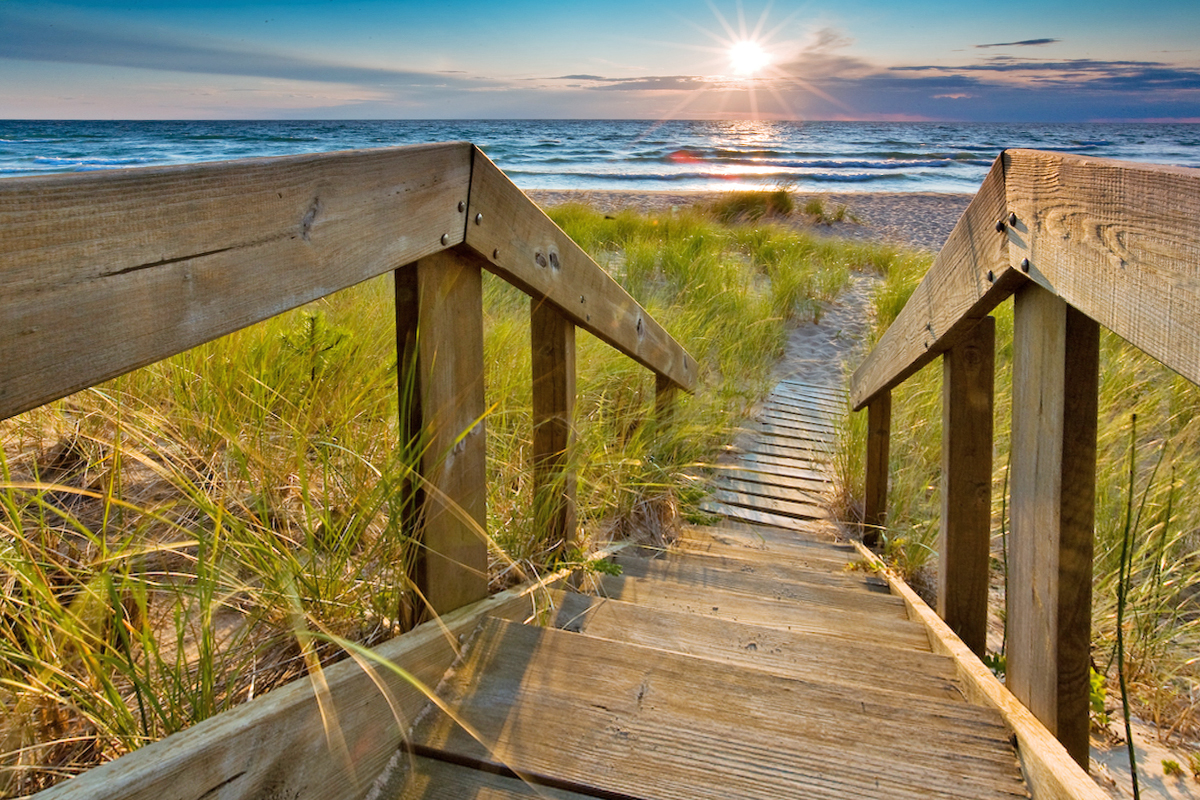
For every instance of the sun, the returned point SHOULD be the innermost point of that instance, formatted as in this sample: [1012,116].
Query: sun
[747,57]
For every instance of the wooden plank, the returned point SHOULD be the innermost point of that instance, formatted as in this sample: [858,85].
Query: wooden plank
[1116,240]
[813,568]
[1055,374]
[792,456]
[1051,772]
[451,565]
[965,535]
[784,508]
[835,394]
[812,434]
[101,273]
[813,487]
[745,514]
[808,656]
[523,246]
[878,470]
[808,447]
[954,294]
[746,540]
[842,619]
[287,743]
[554,479]
[420,778]
[757,489]
[784,467]
[706,575]
[636,721]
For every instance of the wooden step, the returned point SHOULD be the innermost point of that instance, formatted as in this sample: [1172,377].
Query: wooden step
[639,722]
[783,508]
[844,619]
[811,656]
[813,568]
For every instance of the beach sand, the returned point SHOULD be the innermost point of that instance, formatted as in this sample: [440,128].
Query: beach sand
[915,219]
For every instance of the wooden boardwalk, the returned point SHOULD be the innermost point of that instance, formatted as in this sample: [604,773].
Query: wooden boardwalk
[747,661]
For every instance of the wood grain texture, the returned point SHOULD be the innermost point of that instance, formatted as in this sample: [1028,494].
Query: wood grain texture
[524,247]
[808,656]
[1116,240]
[878,465]
[1055,357]
[451,565]
[954,294]
[106,272]
[1049,769]
[642,722]
[276,745]
[553,390]
[965,535]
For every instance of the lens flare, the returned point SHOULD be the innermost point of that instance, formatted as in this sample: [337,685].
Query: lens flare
[748,57]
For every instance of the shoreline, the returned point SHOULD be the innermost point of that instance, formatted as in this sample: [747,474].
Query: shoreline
[922,220]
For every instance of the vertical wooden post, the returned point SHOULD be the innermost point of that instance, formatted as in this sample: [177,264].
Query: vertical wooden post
[439,331]
[964,540]
[665,395]
[879,434]
[1055,377]
[553,341]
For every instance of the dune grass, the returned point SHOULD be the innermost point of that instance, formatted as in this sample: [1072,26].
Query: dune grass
[169,540]
[1162,616]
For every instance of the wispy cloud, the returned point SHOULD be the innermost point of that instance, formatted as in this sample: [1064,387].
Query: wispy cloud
[1024,43]
[64,41]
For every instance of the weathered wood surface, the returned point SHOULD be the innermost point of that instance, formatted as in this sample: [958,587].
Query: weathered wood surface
[1049,769]
[956,292]
[450,567]
[521,244]
[106,272]
[643,722]
[553,407]
[965,534]
[288,743]
[807,656]
[1055,368]
[878,465]
[1116,240]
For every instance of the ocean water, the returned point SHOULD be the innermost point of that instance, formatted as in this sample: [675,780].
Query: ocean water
[633,155]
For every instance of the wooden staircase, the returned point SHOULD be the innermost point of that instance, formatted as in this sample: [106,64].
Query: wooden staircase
[752,659]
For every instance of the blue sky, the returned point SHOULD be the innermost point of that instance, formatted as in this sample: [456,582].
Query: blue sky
[646,59]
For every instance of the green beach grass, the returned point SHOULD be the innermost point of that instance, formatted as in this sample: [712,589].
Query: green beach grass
[169,540]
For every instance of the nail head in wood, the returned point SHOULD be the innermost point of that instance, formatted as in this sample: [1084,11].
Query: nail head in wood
[1024,265]
[1012,219]
[479,219]
[445,238]
[461,206]
[1001,226]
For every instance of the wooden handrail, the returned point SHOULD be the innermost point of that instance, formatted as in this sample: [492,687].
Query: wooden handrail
[1078,242]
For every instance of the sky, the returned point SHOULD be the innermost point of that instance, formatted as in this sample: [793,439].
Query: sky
[1013,61]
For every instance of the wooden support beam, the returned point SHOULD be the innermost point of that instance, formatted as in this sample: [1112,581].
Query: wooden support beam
[554,480]
[439,322]
[965,536]
[1055,374]
[879,435]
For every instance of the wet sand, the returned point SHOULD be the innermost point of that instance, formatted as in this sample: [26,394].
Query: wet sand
[915,219]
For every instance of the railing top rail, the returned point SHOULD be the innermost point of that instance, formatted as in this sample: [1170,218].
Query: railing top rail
[1116,240]
[101,273]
